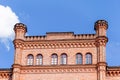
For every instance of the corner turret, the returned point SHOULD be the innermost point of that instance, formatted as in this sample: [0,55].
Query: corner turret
[20,30]
[100,27]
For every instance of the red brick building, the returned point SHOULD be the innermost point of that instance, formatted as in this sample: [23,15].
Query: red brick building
[61,56]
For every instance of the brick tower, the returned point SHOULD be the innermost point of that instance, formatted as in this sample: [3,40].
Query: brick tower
[20,30]
[101,39]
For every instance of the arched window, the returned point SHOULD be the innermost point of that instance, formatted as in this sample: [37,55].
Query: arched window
[78,58]
[88,58]
[64,58]
[54,59]
[39,59]
[30,59]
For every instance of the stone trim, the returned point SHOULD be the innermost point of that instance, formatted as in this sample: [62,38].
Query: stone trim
[101,41]
[53,44]
[58,69]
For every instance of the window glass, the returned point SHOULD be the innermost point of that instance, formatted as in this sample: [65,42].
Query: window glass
[39,59]
[54,59]
[63,58]
[78,58]
[30,59]
[88,58]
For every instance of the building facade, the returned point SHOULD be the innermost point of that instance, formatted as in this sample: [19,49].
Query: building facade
[61,56]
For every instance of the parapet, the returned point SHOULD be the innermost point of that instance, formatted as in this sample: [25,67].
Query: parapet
[60,36]
[100,27]
[20,30]
[20,26]
[101,23]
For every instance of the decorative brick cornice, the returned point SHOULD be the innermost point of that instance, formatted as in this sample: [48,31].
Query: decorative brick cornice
[58,69]
[113,71]
[101,41]
[53,44]
[5,73]
[18,43]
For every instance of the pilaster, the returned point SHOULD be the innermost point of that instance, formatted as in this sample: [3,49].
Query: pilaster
[101,70]
[16,72]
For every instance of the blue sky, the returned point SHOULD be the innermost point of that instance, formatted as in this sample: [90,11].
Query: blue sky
[43,16]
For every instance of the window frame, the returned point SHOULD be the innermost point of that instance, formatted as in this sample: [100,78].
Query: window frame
[88,58]
[54,59]
[39,61]
[30,59]
[62,59]
[79,60]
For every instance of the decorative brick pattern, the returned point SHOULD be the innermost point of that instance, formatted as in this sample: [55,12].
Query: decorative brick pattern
[59,43]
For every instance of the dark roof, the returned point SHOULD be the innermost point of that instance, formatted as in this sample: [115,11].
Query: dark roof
[5,69]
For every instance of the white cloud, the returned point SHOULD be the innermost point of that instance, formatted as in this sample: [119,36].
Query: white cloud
[7,21]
